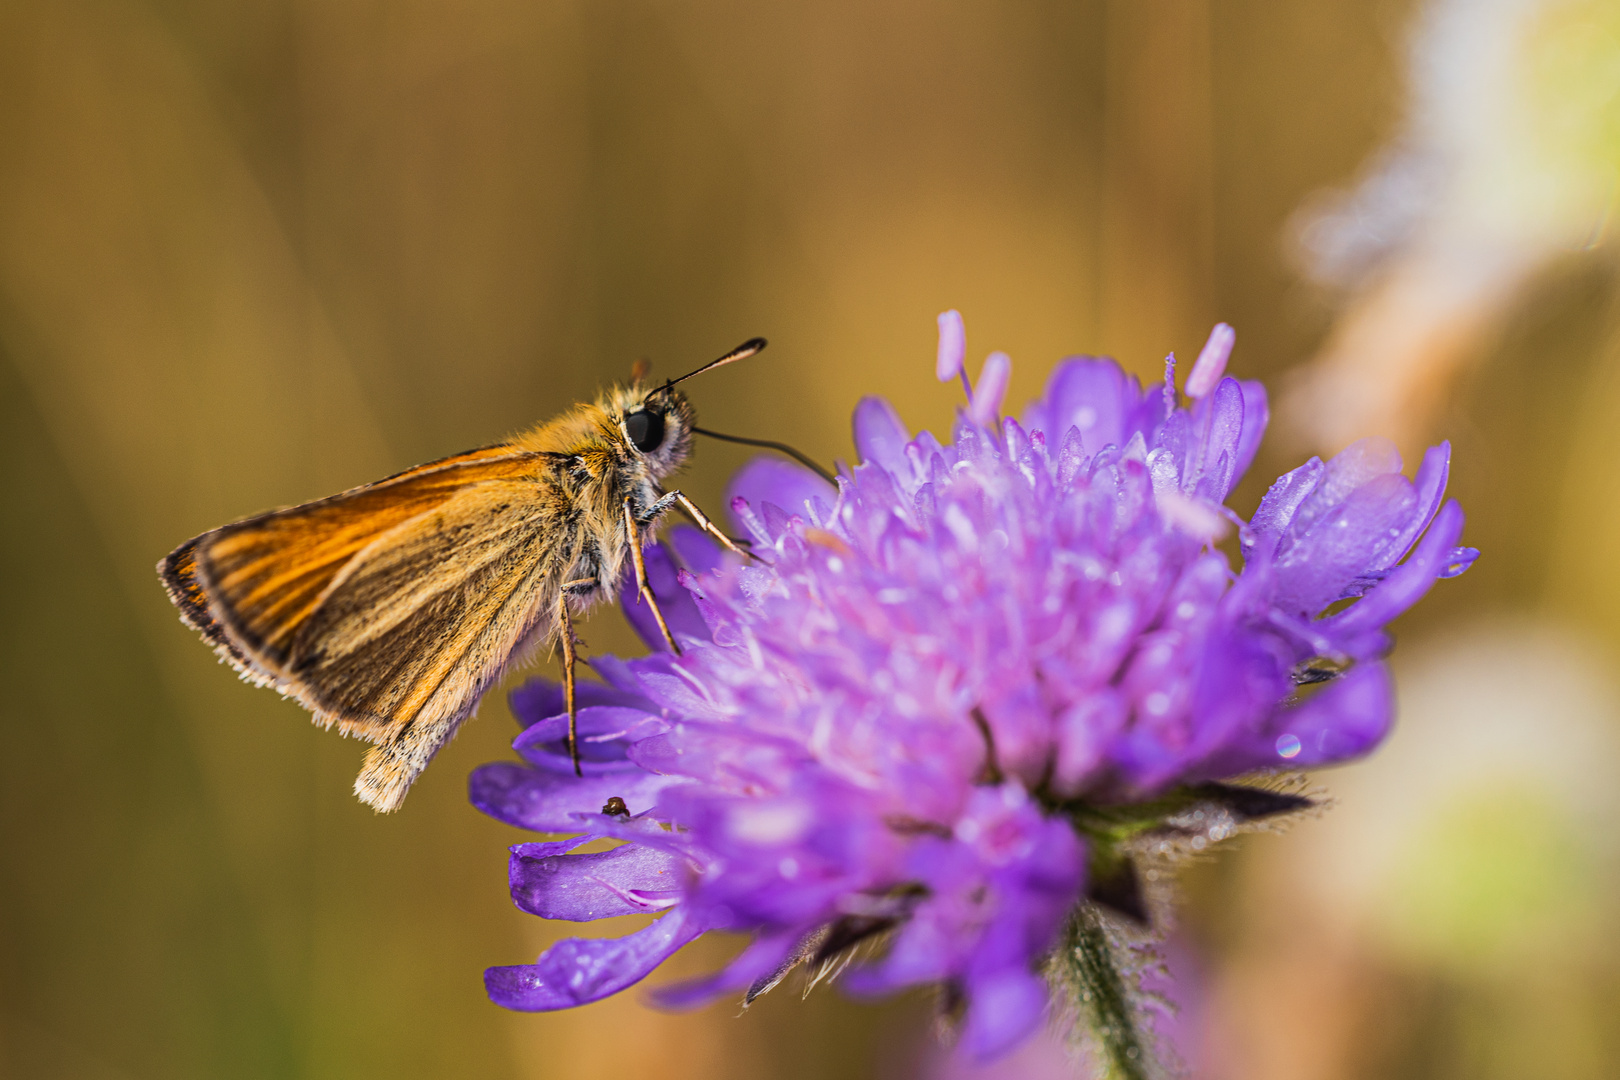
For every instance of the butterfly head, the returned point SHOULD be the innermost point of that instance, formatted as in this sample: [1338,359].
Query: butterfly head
[655,425]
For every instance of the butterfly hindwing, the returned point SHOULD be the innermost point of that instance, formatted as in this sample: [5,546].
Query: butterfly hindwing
[422,621]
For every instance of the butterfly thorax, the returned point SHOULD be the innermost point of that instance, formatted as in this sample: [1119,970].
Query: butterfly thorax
[600,428]
[592,465]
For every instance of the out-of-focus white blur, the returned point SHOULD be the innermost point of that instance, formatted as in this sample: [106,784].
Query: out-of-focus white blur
[1509,157]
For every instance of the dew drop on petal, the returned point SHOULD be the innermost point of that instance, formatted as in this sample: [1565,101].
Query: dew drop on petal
[1288,746]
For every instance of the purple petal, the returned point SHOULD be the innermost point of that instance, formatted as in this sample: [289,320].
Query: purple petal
[625,678]
[1406,585]
[880,436]
[576,971]
[627,880]
[1458,562]
[678,692]
[763,956]
[1314,570]
[1222,424]
[721,754]
[1345,720]
[1283,500]
[1003,1010]
[605,733]
[695,549]
[1355,465]
[541,699]
[551,802]
[1256,417]
[786,484]
[1084,731]
[680,609]
[1431,488]
[1090,395]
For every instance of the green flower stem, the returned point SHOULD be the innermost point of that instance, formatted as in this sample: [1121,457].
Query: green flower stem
[1089,959]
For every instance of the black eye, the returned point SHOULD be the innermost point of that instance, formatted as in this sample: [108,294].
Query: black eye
[646,430]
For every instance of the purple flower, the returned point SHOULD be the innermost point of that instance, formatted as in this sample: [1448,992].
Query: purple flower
[895,723]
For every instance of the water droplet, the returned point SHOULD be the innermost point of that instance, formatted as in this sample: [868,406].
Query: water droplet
[1288,746]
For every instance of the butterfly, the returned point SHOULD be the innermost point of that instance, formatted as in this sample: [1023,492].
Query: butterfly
[387,610]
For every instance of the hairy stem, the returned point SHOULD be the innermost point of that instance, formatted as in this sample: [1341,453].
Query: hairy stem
[1089,962]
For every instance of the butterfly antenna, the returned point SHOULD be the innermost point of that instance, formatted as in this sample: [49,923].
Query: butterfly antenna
[741,352]
[782,448]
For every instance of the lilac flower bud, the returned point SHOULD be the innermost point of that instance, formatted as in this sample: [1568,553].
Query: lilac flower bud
[952,346]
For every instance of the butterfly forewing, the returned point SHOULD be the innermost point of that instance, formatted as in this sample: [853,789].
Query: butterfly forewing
[264,576]
[408,608]
[387,609]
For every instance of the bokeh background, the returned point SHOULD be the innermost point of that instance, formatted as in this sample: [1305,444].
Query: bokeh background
[254,252]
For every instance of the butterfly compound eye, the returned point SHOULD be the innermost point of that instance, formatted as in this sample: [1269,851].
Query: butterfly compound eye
[646,430]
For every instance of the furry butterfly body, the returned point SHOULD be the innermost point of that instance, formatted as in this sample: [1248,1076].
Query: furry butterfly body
[387,610]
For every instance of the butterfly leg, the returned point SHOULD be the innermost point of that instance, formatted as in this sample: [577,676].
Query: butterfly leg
[708,526]
[643,589]
[565,630]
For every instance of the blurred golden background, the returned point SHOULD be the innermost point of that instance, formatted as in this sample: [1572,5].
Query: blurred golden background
[255,252]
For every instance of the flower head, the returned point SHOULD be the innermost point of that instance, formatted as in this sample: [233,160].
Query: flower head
[894,721]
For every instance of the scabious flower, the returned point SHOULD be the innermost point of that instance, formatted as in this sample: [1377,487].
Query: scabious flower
[908,716]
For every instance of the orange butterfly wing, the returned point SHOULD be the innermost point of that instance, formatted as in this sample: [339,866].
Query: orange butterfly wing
[266,574]
[384,607]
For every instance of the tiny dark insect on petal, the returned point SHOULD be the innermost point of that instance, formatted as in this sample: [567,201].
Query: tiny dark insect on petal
[615,807]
